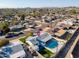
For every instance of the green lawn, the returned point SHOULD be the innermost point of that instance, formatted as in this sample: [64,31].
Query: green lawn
[2,24]
[46,53]
[77,19]
[23,39]
[76,24]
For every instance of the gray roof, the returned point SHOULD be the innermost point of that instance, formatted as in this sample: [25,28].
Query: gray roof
[16,26]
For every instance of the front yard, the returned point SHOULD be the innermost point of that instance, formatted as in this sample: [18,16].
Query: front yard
[23,39]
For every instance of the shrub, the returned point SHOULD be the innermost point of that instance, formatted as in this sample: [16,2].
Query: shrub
[46,53]
[3,42]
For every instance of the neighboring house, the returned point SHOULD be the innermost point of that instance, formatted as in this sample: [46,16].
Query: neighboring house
[63,34]
[1,18]
[16,28]
[65,24]
[60,32]
[12,50]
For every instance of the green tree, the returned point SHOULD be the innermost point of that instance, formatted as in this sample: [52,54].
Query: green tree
[4,26]
[72,11]
[22,17]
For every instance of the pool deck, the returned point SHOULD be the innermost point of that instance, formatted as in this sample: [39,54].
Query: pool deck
[55,50]
[61,43]
[60,40]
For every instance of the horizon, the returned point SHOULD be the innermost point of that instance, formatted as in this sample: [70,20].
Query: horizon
[40,7]
[38,3]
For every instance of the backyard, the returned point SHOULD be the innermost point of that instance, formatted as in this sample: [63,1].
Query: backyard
[46,53]
[66,36]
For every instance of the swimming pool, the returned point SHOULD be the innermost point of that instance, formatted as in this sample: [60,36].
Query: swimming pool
[52,43]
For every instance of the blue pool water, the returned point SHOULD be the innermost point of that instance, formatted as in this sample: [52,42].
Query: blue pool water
[51,43]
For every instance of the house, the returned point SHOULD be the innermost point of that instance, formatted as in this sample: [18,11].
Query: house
[60,32]
[17,17]
[66,23]
[17,27]
[1,17]
[44,37]
[12,50]
[63,34]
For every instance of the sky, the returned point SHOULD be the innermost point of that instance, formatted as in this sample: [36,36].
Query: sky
[37,3]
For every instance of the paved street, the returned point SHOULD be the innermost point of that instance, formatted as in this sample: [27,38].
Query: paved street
[68,45]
